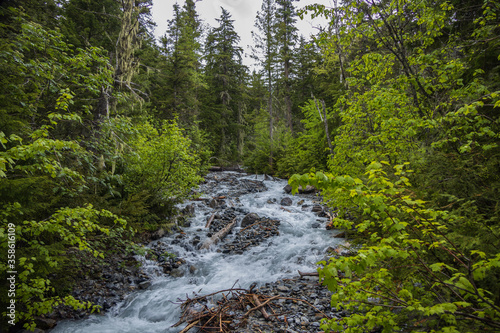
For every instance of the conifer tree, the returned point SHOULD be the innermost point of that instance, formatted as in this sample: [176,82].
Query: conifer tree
[266,52]
[225,75]
[286,17]
[182,47]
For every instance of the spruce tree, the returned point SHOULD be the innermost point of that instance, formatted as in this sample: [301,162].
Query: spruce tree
[265,53]
[225,75]
[286,17]
[183,80]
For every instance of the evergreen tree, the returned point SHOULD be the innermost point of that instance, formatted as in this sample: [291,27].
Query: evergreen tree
[225,74]
[183,79]
[266,52]
[286,17]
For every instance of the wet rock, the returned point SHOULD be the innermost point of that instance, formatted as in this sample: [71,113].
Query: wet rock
[286,202]
[45,323]
[340,235]
[282,289]
[158,234]
[249,219]
[308,190]
[213,203]
[315,225]
[144,285]
[189,210]
[176,273]
[317,209]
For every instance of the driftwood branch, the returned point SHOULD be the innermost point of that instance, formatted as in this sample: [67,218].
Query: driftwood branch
[210,220]
[260,305]
[308,274]
[218,236]
[262,310]
[190,326]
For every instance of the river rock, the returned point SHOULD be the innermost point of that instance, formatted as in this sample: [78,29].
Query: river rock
[213,203]
[158,234]
[144,284]
[176,273]
[309,189]
[249,219]
[286,202]
[189,210]
[317,209]
[45,323]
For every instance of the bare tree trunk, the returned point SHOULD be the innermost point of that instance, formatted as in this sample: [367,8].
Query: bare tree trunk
[325,123]
[270,109]
[218,236]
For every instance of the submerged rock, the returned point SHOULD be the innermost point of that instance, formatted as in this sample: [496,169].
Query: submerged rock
[286,202]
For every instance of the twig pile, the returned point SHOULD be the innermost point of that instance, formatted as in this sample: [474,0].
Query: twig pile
[224,310]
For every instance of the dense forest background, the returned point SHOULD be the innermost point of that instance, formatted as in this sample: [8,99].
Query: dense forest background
[392,110]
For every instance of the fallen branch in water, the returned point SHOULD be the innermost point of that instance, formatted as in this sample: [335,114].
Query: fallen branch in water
[210,220]
[219,235]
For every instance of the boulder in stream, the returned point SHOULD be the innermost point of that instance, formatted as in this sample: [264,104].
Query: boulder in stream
[286,202]
[249,219]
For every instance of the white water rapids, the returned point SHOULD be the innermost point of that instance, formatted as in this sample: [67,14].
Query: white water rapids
[298,247]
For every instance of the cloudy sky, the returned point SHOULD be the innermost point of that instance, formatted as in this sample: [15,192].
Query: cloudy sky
[243,13]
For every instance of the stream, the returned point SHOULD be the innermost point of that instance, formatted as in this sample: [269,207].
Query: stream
[300,244]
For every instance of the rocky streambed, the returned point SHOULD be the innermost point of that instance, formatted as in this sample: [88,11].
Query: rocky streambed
[269,236]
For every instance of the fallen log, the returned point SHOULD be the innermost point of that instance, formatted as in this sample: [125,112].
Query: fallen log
[219,235]
[201,199]
[308,274]
[220,169]
[210,220]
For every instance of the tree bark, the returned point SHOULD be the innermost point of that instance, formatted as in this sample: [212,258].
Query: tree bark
[325,123]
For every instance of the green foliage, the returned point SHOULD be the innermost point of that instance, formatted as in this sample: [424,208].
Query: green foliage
[160,162]
[258,151]
[409,275]
[412,97]
[309,149]
[223,113]
[40,252]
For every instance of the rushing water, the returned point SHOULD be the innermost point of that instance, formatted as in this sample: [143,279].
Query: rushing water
[298,247]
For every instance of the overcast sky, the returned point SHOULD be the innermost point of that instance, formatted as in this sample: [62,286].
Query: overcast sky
[243,13]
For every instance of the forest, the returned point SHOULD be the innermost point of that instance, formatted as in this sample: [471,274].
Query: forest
[392,110]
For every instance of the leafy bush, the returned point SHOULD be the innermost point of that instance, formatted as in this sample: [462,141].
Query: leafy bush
[410,275]
[161,163]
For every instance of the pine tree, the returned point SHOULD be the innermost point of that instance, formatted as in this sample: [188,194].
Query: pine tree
[266,52]
[225,76]
[183,81]
[286,17]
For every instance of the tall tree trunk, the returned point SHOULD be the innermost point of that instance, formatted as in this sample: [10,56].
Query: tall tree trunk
[270,109]
[325,123]
[241,133]
[288,99]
